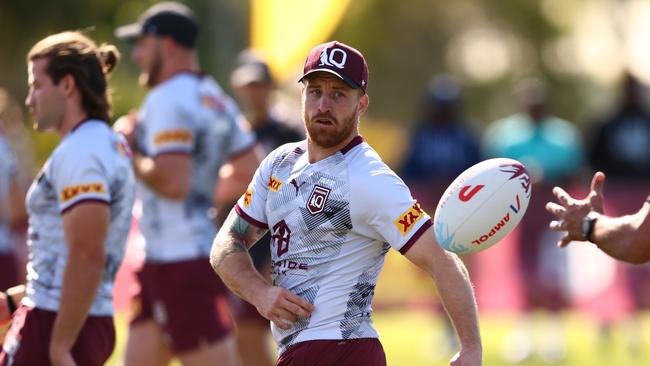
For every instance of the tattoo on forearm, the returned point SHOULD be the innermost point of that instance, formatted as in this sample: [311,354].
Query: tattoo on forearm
[236,236]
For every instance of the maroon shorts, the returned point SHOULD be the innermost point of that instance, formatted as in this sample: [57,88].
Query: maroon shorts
[28,340]
[8,271]
[187,299]
[351,352]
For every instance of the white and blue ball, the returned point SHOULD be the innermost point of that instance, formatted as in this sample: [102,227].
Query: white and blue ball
[482,205]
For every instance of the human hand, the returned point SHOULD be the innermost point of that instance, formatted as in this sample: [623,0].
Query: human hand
[283,307]
[60,355]
[126,126]
[468,356]
[570,212]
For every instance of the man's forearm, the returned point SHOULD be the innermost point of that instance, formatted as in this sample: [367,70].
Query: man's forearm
[80,283]
[232,262]
[621,238]
[457,295]
[236,270]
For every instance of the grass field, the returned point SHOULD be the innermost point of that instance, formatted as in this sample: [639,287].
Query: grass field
[410,339]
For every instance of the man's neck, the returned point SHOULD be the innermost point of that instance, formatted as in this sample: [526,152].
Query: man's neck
[316,153]
[182,62]
[75,114]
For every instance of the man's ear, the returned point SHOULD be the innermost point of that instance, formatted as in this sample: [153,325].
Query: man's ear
[68,84]
[364,102]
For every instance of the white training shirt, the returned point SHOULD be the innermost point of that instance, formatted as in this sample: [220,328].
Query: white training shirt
[7,172]
[187,114]
[92,163]
[332,223]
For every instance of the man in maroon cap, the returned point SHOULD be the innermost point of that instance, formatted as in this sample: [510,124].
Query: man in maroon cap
[334,210]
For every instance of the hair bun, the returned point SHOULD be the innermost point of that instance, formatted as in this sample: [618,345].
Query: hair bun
[109,56]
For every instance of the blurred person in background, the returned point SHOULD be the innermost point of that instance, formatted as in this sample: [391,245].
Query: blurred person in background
[254,86]
[13,213]
[441,146]
[184,132]
[18,137]
[79,211]
[552,150]
[620,147]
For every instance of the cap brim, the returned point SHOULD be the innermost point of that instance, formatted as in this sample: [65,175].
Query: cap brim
[347,80]
[247,74]
[129,32]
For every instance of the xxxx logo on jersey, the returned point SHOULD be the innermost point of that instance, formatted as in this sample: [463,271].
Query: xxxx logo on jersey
[274,184]
[248,197]
[71,192]
[170,136]
[406,220]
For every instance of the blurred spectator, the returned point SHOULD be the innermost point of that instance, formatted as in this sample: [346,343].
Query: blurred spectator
[621,149]
[13,213]
[552,150]
[442,144]
[440,148]
[253,86]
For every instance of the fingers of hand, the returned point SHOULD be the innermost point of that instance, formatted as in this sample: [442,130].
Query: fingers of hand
[555,209]
[303,305]
[598,182]
[557,225]
[565,199]
[564,241]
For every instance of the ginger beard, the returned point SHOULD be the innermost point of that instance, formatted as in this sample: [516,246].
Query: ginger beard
[332,134]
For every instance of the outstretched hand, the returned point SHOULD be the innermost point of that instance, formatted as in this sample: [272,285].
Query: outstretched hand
[569,212]
[283,307]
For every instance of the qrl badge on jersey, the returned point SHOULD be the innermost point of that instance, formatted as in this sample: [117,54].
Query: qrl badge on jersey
[317,200]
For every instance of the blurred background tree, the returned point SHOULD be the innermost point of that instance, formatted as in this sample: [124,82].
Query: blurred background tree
[580,46]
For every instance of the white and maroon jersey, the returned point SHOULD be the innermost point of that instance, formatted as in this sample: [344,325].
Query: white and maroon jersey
[7,172]
[187,114]
[332,223]
[91,164]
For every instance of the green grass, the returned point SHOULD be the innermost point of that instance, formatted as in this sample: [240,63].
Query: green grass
[414,338]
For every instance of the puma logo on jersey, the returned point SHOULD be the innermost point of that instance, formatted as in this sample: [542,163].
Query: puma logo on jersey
[274,184]
[171,136]
[294,183]
[406,220]
[71,192]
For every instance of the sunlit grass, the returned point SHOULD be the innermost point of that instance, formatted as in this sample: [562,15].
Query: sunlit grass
[416,338]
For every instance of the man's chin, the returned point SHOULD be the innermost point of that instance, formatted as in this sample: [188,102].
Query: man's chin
[145,80]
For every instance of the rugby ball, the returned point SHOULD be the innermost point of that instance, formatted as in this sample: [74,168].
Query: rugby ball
[482,205]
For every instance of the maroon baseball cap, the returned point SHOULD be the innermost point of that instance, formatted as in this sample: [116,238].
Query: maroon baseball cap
[339,59]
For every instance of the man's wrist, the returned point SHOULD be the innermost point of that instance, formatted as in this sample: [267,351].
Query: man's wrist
[588,226]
